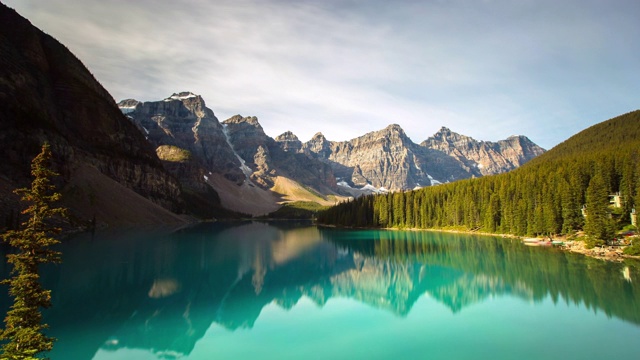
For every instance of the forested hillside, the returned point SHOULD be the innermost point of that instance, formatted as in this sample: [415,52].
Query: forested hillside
[545,196]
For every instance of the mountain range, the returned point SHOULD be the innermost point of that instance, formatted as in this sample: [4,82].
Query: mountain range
[173,156]
[252,172]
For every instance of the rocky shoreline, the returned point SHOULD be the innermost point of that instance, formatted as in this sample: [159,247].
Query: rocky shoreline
[609,253]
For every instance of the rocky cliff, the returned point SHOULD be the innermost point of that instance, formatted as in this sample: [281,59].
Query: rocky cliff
[272,158]
[384,159]
[47,94]
[250,171]
[288,141]
[389,160]
[484,157]
[184,121]
[192,145]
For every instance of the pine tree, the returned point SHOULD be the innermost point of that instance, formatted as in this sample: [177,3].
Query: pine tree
[598,225]
[24,330]
[636,200]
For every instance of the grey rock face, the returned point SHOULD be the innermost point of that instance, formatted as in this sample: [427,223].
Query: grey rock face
[484,157]
[246,135]
[389,159]
[183,120]
[383,159]
[268,157]
[289,142]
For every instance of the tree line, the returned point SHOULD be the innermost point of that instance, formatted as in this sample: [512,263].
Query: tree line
[549,195]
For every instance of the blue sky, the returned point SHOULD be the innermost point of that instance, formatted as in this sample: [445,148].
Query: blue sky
[484,68]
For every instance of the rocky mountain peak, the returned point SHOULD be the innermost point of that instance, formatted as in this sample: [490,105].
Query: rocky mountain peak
[288,141]
[382,159]
[393,130]
[518,139]
[393,136]
[318,145]
[287,136]
[128,103]
[446,135]
[319,136]
[246,135]
[483,157]
[190,101]
[239,119]
[182,120]
[184,95]
[521,146]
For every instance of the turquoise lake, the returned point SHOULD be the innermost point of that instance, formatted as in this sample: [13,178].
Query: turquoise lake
[285,290]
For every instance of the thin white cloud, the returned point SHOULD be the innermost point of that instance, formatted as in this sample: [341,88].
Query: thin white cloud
[486,69]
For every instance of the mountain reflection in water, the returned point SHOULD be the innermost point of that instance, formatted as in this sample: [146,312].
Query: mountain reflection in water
[162,292]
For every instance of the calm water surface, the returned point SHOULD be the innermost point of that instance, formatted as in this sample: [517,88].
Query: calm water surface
[294,291]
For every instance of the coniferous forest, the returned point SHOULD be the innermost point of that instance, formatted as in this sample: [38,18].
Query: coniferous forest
[560,192]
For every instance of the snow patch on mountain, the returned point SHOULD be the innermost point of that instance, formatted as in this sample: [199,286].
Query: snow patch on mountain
[181,96]
[243,166]
[433,181]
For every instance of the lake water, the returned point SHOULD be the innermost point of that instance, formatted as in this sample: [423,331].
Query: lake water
[293,291]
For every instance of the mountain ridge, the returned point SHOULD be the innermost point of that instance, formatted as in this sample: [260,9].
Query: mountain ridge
[378,161]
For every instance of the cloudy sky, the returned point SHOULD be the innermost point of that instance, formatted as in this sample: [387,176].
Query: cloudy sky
[483,68]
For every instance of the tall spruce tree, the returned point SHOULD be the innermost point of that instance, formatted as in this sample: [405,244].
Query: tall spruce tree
[636,200]
[598,224]
[24,330]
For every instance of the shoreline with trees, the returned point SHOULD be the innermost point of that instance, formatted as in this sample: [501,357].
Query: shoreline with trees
[564,192]
[574,245]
